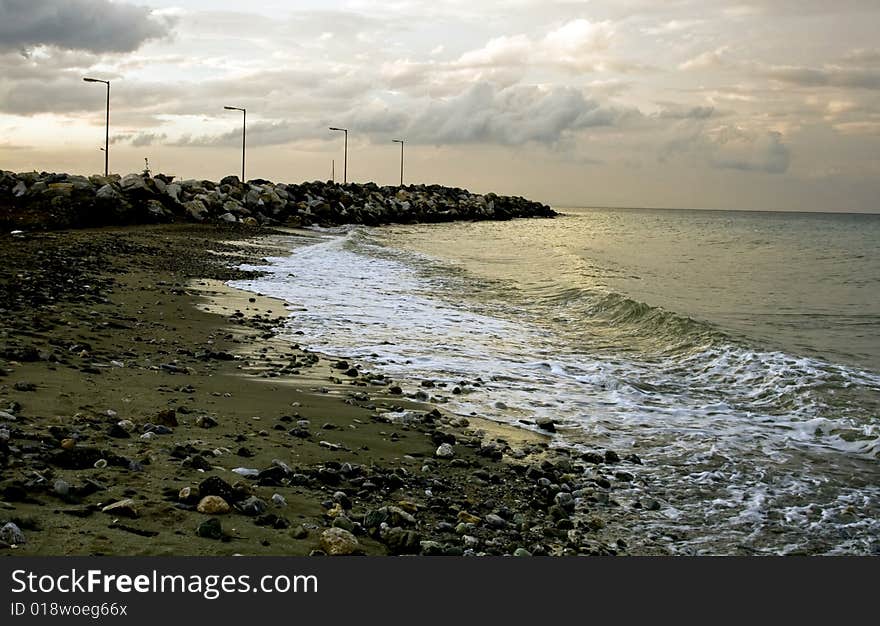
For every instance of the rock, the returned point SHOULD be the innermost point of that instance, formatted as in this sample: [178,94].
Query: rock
[11,535]
[107,192]
[124,508]
[468,518]
[61,488]
[24,386]
[444,451]
[213,505]
[431,548]
[252,506]
[196,210]
[521,552]
[339,542]
[228,217]
[126,425]
[496,521]
[400,541]
[545,423]
[131,182]
[206,421]
[299,532]
[186,494]
[611,456]
[68,444]
[210,529]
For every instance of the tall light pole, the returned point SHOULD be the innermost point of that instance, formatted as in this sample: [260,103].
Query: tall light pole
[345,153]
[107,126]
[400,141]
[243,134]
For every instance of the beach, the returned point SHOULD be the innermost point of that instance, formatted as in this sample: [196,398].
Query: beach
[137,388]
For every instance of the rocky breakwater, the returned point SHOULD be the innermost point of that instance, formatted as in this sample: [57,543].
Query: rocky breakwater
[43,200]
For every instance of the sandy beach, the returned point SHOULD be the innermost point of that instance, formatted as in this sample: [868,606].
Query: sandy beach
[136,388]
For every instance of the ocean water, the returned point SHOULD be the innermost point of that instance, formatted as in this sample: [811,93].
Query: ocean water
[737,353]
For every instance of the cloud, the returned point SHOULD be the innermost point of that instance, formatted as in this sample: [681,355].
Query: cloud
[831,76]
[729,147]
[511,116]
[147,139]
[737,149]
[710,59]
[90,25]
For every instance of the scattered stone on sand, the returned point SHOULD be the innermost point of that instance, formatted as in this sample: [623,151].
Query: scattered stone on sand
[11,534]
[210,529]
[124,508]
[338,542]
[213,505]
[444,451]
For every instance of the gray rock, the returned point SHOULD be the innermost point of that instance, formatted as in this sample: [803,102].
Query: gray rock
[496,521]
[444,451]
[252,506]
[61,488]
[107,192]
[11,534]
[228,217]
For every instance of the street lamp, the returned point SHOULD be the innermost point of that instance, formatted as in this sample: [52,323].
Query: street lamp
[243,133]
[345,153]
[107,126]
[400,141]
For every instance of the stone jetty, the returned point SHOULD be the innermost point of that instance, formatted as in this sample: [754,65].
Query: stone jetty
[52,200]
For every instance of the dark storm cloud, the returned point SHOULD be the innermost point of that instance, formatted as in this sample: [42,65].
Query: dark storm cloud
[89,25]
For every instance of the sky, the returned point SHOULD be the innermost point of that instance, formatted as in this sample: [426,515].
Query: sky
[755,104]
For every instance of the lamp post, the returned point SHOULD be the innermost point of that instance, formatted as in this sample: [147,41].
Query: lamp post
[345,153]
[243,134]
[400,141]
[107,125]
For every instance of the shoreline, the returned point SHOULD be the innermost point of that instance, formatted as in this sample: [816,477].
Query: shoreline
[343,449]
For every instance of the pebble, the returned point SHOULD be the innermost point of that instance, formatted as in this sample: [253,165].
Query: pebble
[444,451]
[206,421]
[12,535]
[521,552]
[100,464]
[61,488]
[213,505]
[495,521]
[125,508]
[468,518]
[246,471]
[339,542]
[210,529]
[278,500]
[185,494]
[252,506]
[126,425]
[68,444]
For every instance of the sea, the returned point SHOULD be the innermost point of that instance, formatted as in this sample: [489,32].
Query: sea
[737,353]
